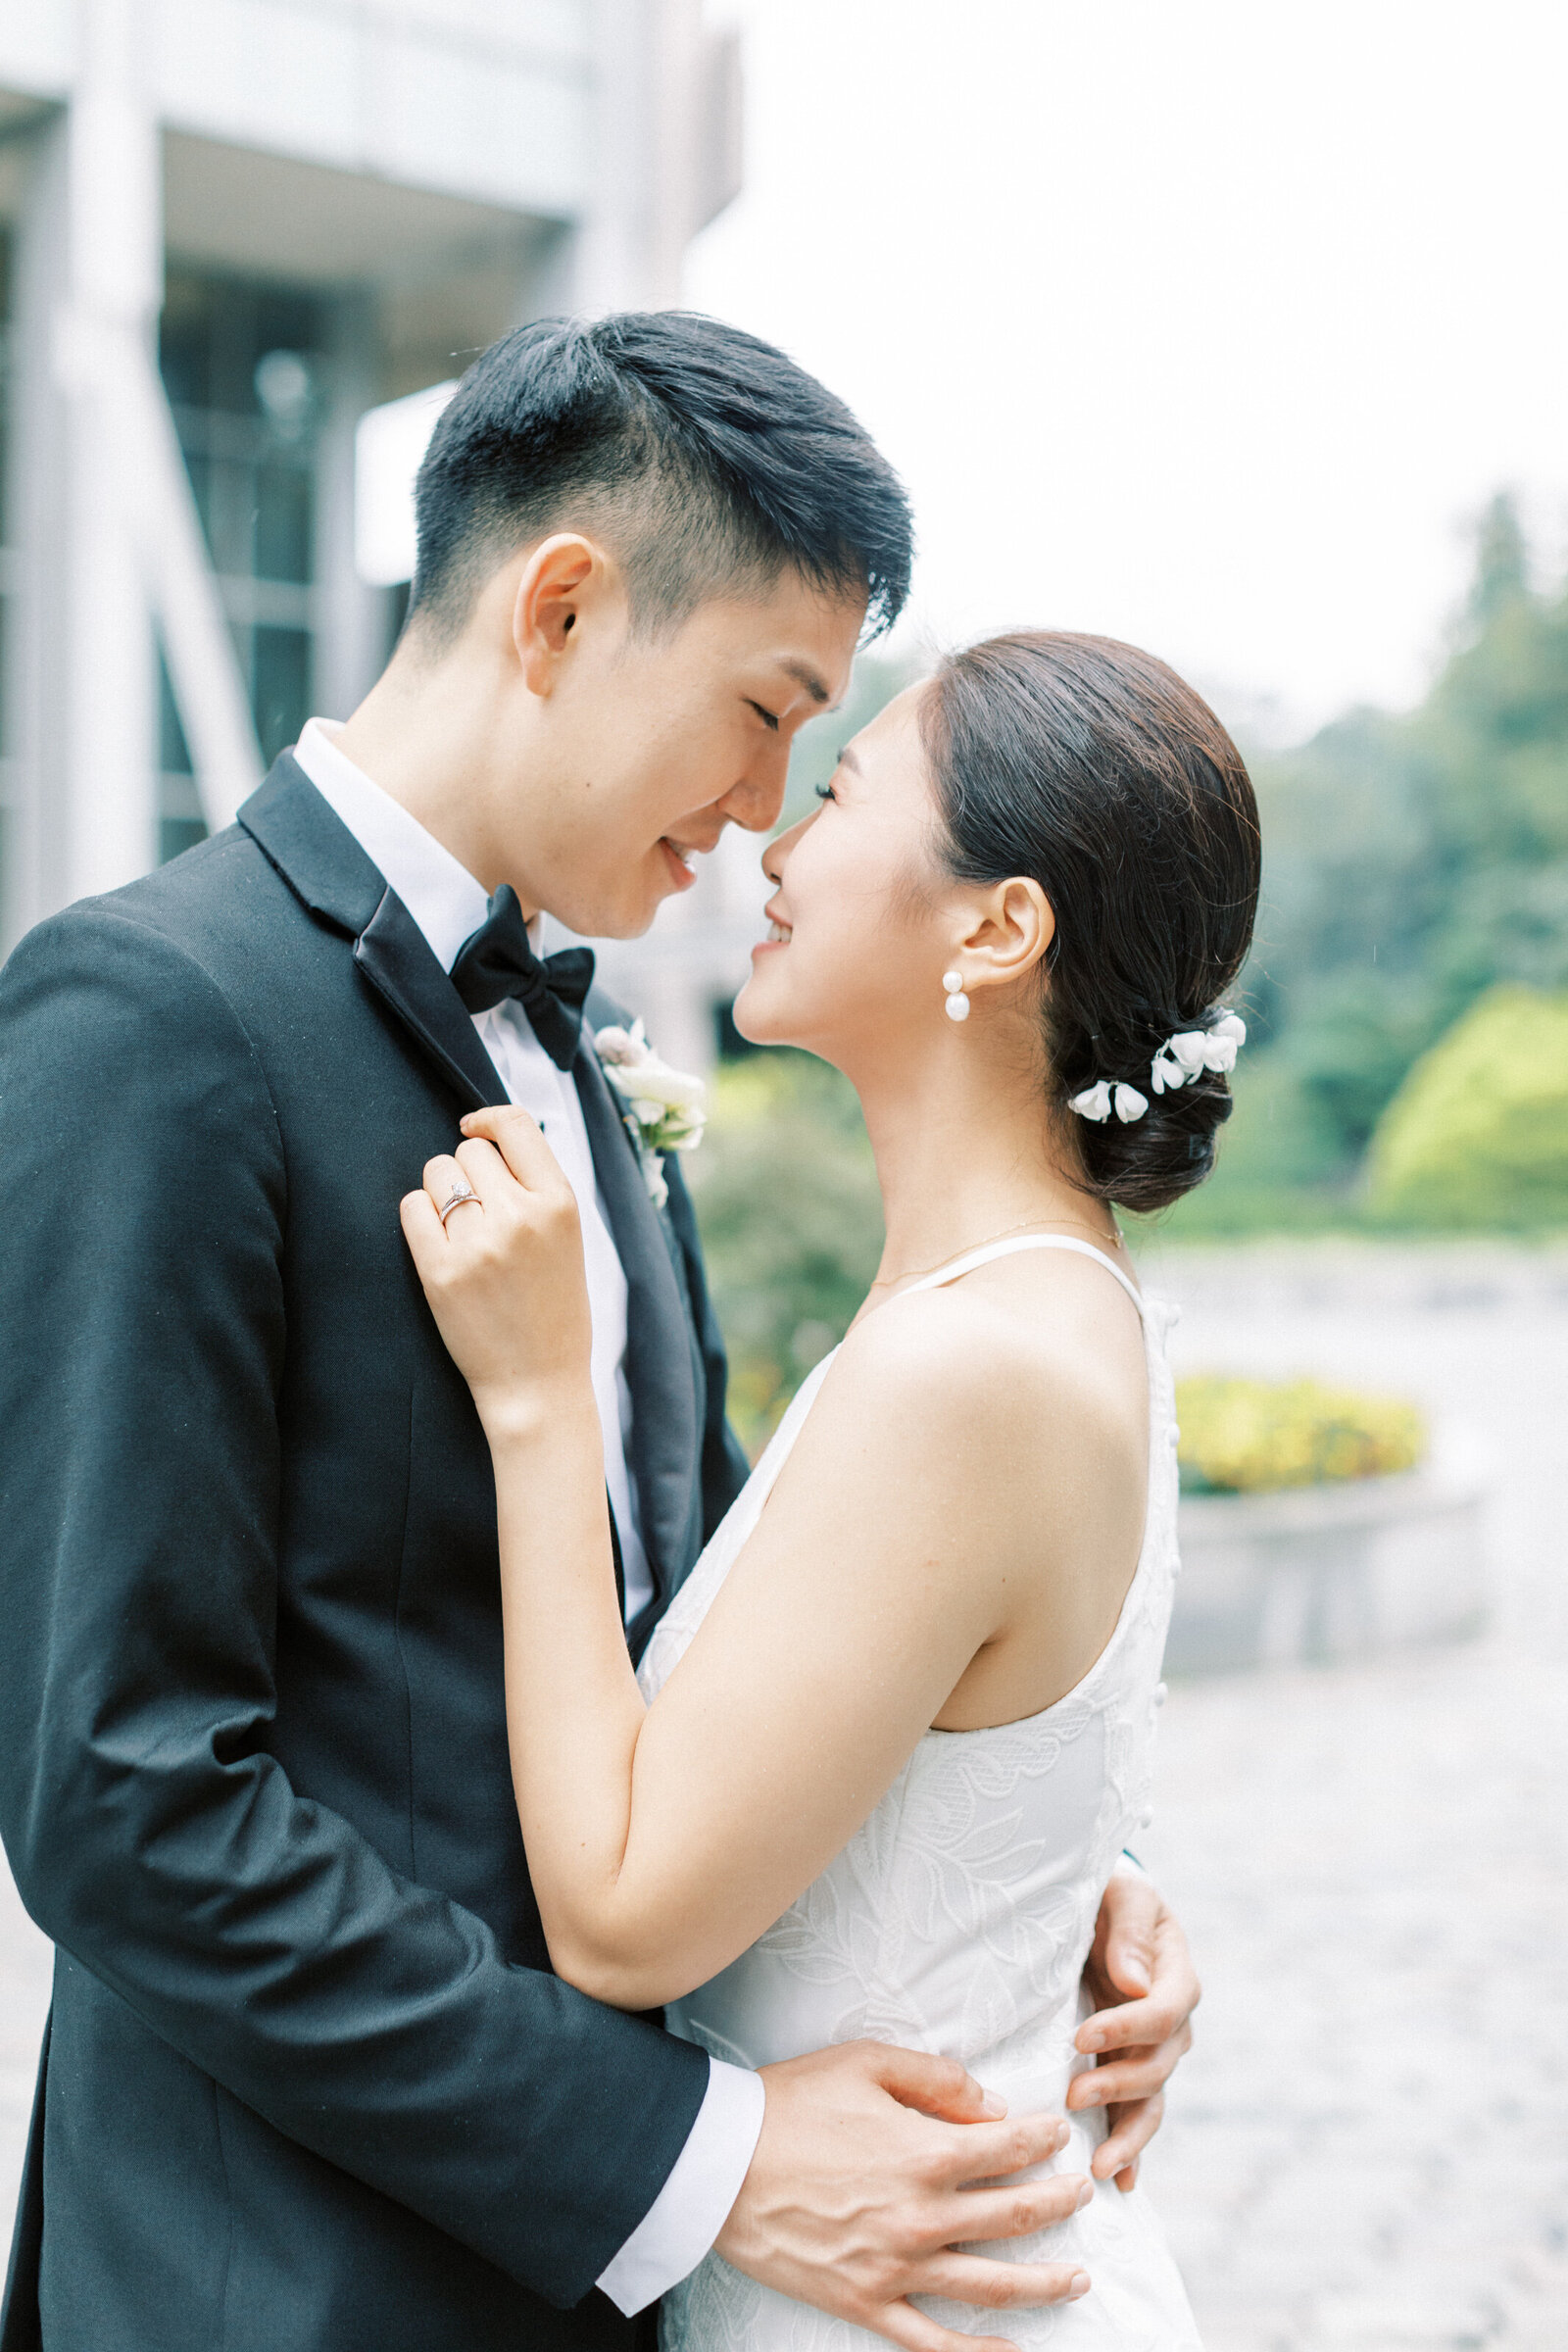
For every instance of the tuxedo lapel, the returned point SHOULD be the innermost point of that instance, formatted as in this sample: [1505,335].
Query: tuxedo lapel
[661,1361]
[312,848]
[321,862]
[395,957]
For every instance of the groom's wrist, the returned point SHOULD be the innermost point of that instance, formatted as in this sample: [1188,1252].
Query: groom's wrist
[685,2219]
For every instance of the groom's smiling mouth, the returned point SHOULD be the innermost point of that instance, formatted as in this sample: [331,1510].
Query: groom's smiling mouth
[682,860]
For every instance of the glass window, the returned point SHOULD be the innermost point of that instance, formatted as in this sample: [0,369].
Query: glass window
[284,520]
[280,687]
[242,367]
[228,515]
[174,753]
[5,466]
[5,380]
[183,337]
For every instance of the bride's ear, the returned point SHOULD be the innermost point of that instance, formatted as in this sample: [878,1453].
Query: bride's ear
[1012,928]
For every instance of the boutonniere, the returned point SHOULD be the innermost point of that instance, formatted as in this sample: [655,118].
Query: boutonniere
[664,1109]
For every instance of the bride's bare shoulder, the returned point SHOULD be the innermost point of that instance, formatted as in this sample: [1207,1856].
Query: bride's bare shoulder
[1042,1348]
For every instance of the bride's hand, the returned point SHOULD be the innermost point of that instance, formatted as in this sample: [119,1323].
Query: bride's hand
[504,1273]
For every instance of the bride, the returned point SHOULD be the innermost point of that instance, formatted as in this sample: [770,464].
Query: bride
[891,1737]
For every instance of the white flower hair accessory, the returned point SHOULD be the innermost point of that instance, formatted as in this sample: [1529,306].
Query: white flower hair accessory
[1180,1058]
[1192,1051]
[664,1109]
[1097,1102]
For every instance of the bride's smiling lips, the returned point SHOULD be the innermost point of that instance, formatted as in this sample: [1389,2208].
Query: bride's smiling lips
[779,932]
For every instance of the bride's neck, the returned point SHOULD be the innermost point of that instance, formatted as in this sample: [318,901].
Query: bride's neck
[965,1151]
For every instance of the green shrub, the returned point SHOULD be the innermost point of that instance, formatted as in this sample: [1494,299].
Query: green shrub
[1280,1165]
[1250,1436]
[786,1195]
[1477,1134]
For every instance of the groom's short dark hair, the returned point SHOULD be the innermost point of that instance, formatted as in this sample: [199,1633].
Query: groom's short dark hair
[710,457]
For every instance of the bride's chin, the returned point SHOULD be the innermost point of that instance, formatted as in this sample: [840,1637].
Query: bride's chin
[750,1020]
[759,1017]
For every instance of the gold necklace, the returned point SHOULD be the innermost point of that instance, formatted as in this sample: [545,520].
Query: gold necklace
[913,1273]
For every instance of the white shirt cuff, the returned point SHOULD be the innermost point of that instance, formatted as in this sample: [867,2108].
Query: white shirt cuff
[691,2209]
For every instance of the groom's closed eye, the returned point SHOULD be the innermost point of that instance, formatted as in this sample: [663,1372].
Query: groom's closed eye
[770,718]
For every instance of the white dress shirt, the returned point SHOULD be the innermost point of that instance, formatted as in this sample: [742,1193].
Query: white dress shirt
[447,904]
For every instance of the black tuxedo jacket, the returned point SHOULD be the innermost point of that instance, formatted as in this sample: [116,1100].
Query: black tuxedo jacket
[309,2080]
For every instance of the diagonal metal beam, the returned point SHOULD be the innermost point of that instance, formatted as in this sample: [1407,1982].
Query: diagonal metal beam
[203,670]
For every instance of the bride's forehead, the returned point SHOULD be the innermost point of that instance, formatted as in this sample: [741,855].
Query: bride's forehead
[896,725]
[887,753]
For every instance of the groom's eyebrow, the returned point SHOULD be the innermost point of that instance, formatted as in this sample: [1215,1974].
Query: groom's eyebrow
[804,675]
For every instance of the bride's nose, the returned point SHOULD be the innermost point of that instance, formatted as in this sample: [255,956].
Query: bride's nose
[778,852]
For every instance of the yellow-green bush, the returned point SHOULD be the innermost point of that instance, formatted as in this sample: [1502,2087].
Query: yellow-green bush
[1477,1135]
[786,1195]
[1247,1436]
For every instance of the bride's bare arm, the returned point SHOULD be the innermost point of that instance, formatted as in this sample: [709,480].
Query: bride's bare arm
[663,1840]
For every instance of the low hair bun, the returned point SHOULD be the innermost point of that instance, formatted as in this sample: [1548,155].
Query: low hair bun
[1151,1162]
[1093,767]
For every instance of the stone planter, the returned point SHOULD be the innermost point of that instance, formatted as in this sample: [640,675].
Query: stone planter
[1317,1574]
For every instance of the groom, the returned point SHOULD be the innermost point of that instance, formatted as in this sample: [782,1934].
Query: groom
[309,2080]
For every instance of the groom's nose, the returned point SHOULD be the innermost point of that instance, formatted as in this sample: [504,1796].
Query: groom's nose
[754,800]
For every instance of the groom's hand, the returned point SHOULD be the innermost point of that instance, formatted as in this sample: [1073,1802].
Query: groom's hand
[863,2181]
[1141,1974]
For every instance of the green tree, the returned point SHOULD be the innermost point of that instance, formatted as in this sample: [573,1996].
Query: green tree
[1410,864]
[1502,562]
[1478,1133]
[786,1194]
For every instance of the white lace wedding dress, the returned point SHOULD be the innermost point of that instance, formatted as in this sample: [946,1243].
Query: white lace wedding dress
[959,1919]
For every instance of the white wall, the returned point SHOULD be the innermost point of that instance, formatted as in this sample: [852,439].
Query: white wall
[488,99]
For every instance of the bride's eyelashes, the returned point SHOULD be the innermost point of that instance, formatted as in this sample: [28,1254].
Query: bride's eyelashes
[825,792]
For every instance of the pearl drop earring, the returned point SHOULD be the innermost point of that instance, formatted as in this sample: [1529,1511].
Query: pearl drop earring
[958,1003]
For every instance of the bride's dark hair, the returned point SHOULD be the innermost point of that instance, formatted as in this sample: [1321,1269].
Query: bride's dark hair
[1092,767]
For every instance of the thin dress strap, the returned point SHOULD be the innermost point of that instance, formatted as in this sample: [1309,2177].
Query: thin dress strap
[1025,1240]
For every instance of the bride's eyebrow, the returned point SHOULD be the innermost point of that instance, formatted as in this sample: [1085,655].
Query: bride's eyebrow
[848,760]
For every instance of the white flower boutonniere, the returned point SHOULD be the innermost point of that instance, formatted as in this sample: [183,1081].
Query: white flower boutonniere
[664,1109]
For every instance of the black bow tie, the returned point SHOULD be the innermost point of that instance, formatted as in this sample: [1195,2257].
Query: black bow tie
[498,961]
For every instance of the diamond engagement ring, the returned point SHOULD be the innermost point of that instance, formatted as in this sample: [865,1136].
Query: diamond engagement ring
[454,1200]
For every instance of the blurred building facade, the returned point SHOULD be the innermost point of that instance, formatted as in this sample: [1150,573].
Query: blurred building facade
[228,228]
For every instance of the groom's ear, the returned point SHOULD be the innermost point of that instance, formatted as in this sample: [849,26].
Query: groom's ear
[562,581]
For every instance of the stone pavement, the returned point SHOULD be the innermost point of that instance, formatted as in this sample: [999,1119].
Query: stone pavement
[1368,2150]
